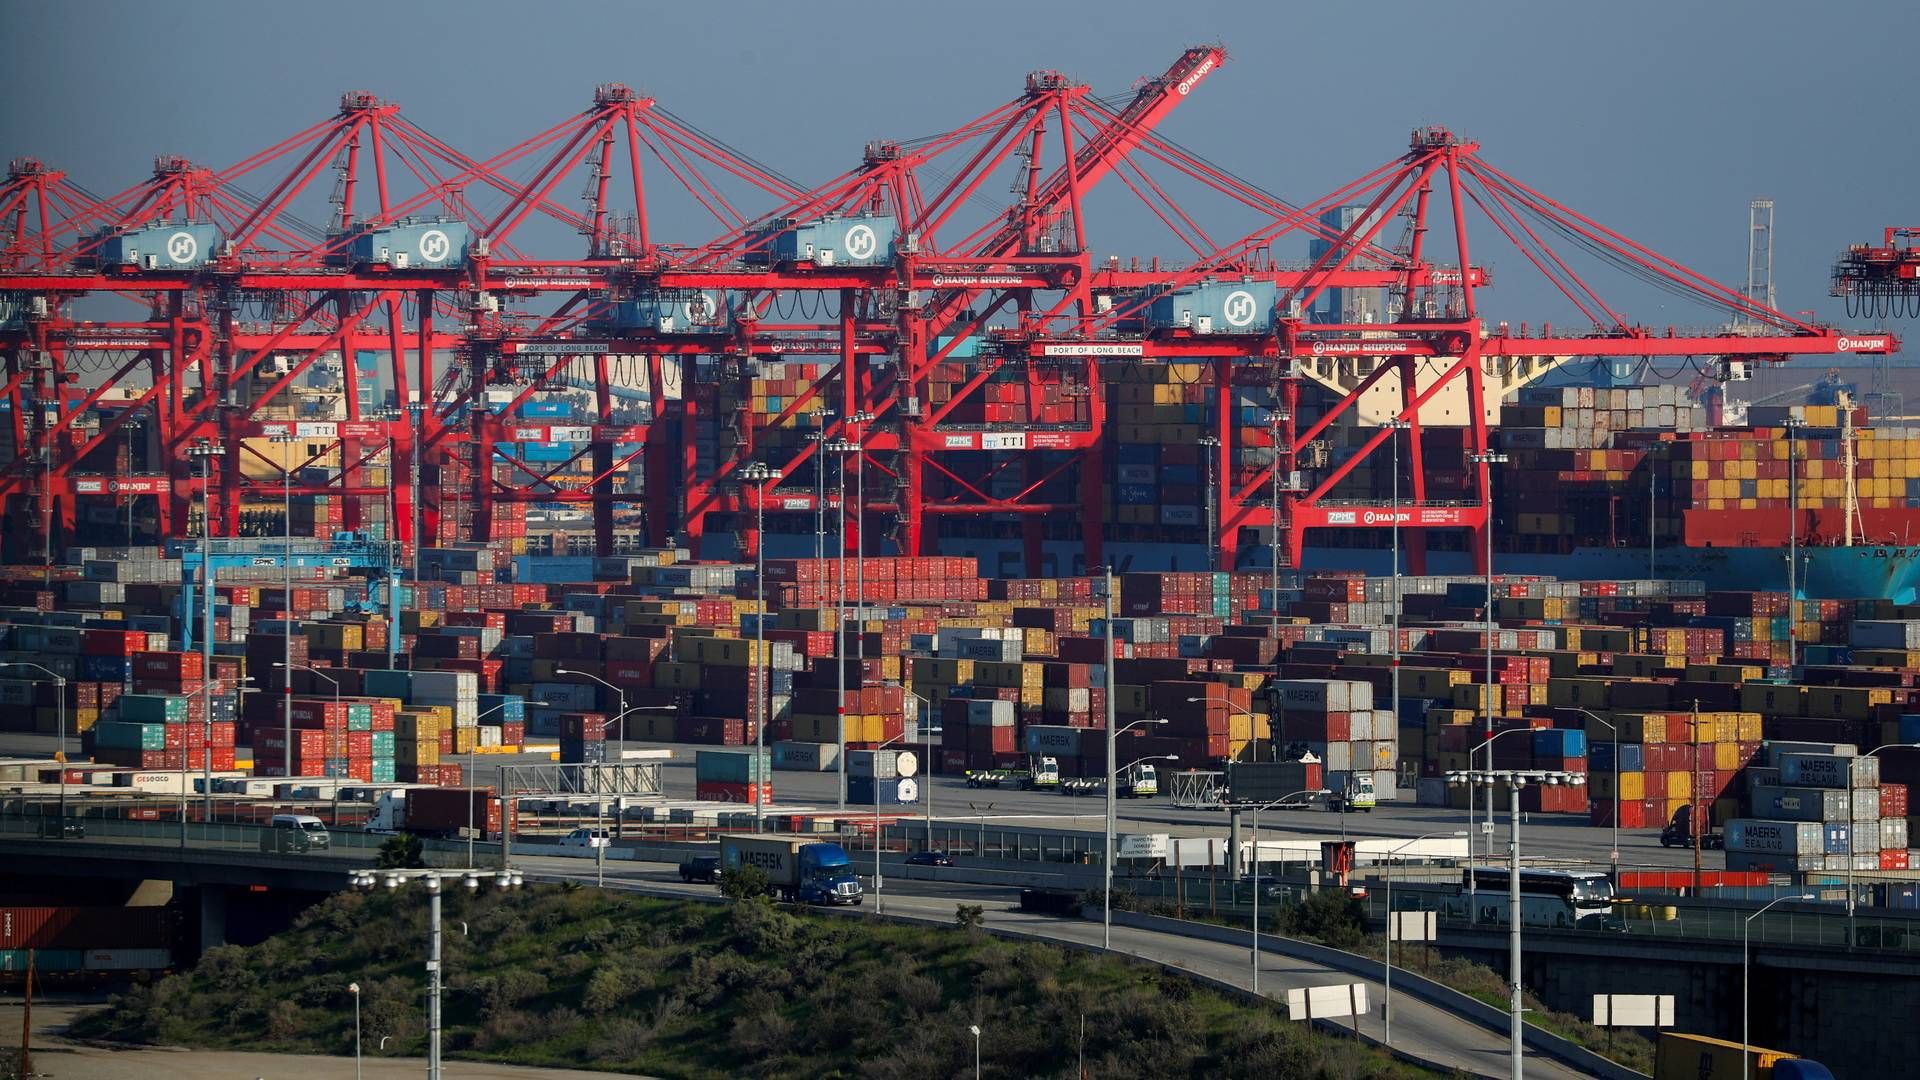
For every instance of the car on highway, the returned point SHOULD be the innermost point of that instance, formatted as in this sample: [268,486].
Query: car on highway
[587,838]
[53,828]
[704,868]
[929,858]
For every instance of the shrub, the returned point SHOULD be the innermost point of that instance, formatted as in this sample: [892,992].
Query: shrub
[969,916]
[399,852]
[743,882]
[621,1039]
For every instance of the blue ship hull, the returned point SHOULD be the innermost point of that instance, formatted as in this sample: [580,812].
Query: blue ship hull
[1868,572]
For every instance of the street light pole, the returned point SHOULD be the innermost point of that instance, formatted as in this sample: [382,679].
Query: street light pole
[1472,889]
[206,452]
[1209,444]
[60,747]
[432,879]
[1486,698]
[286,616]
[759,475]
[1794,424]
[1106,860]
[1746,964]
[1613,856]
[840,449]
[1514,779]
[1396,426]
[879,891]
[1386,1009]
[620,695]
[1255,863]
[354,989]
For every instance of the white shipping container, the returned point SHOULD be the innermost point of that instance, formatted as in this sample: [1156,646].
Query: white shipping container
[1324,695]
[806,756]
[1385,785]
[1893,833]
[1360,726]
[874,764]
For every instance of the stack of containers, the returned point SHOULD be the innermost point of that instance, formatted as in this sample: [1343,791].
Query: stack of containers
[583,738]
[1809,807]
[1336,720]
[737,776]
[1668,762]
[882,778]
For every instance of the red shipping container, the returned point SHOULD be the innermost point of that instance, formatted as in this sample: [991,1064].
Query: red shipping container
[1894,859]
[174,666]
[1893,800]
[722,791]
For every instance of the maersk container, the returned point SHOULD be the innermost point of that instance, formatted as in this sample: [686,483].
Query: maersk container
[1215,307]
[158,247]
[859,240]
[1830,770]
[1794,838]
[408,245]
[806,756]
[1800,803]
[1048,740]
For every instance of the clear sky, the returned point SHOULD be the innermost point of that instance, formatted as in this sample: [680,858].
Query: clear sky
[1661,119]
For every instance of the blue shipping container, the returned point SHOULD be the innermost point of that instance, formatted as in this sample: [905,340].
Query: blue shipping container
[1560,743]
[1633,757]
[159,247]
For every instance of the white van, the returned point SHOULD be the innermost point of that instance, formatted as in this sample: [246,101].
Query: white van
[293,832]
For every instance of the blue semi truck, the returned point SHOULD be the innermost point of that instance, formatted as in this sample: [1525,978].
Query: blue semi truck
[797,867]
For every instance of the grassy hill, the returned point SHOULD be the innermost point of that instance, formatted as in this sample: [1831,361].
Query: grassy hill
[573,977]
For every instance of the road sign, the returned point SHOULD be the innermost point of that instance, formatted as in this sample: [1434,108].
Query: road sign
[1411,925]
[1633,1010]
[1326,1002]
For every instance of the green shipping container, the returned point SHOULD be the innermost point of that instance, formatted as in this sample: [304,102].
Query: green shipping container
[383,744]
[383,771]
[14,961]
[121,735]
[153,709]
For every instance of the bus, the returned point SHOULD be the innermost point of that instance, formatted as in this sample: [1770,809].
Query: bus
[1566,899]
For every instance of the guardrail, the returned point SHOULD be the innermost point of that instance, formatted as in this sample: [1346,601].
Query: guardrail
[244,842]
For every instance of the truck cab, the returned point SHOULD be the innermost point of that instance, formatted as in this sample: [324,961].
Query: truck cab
[1679,832]
[1357,794]
[389,813]
[827,877]
[1139,782]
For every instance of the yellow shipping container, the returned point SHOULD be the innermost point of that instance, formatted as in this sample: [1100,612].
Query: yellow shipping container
[1679,786]
[1698,1057]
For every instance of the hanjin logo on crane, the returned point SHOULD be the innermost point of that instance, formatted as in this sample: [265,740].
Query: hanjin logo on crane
[1239,308]
[434,246]
[1860,344]
[861,243]
[1193,80]
[182,247]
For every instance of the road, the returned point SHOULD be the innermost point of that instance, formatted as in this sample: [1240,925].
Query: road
[1419,1029]
[1555,836]
[1543,836]
[54,1056]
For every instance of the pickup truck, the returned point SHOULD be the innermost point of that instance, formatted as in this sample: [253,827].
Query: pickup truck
[701,868]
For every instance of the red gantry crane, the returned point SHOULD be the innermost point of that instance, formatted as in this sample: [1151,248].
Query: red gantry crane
[937,314]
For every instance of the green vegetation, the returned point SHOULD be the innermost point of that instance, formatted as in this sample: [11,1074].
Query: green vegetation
[399,852]
[1332,918]
[572,977]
